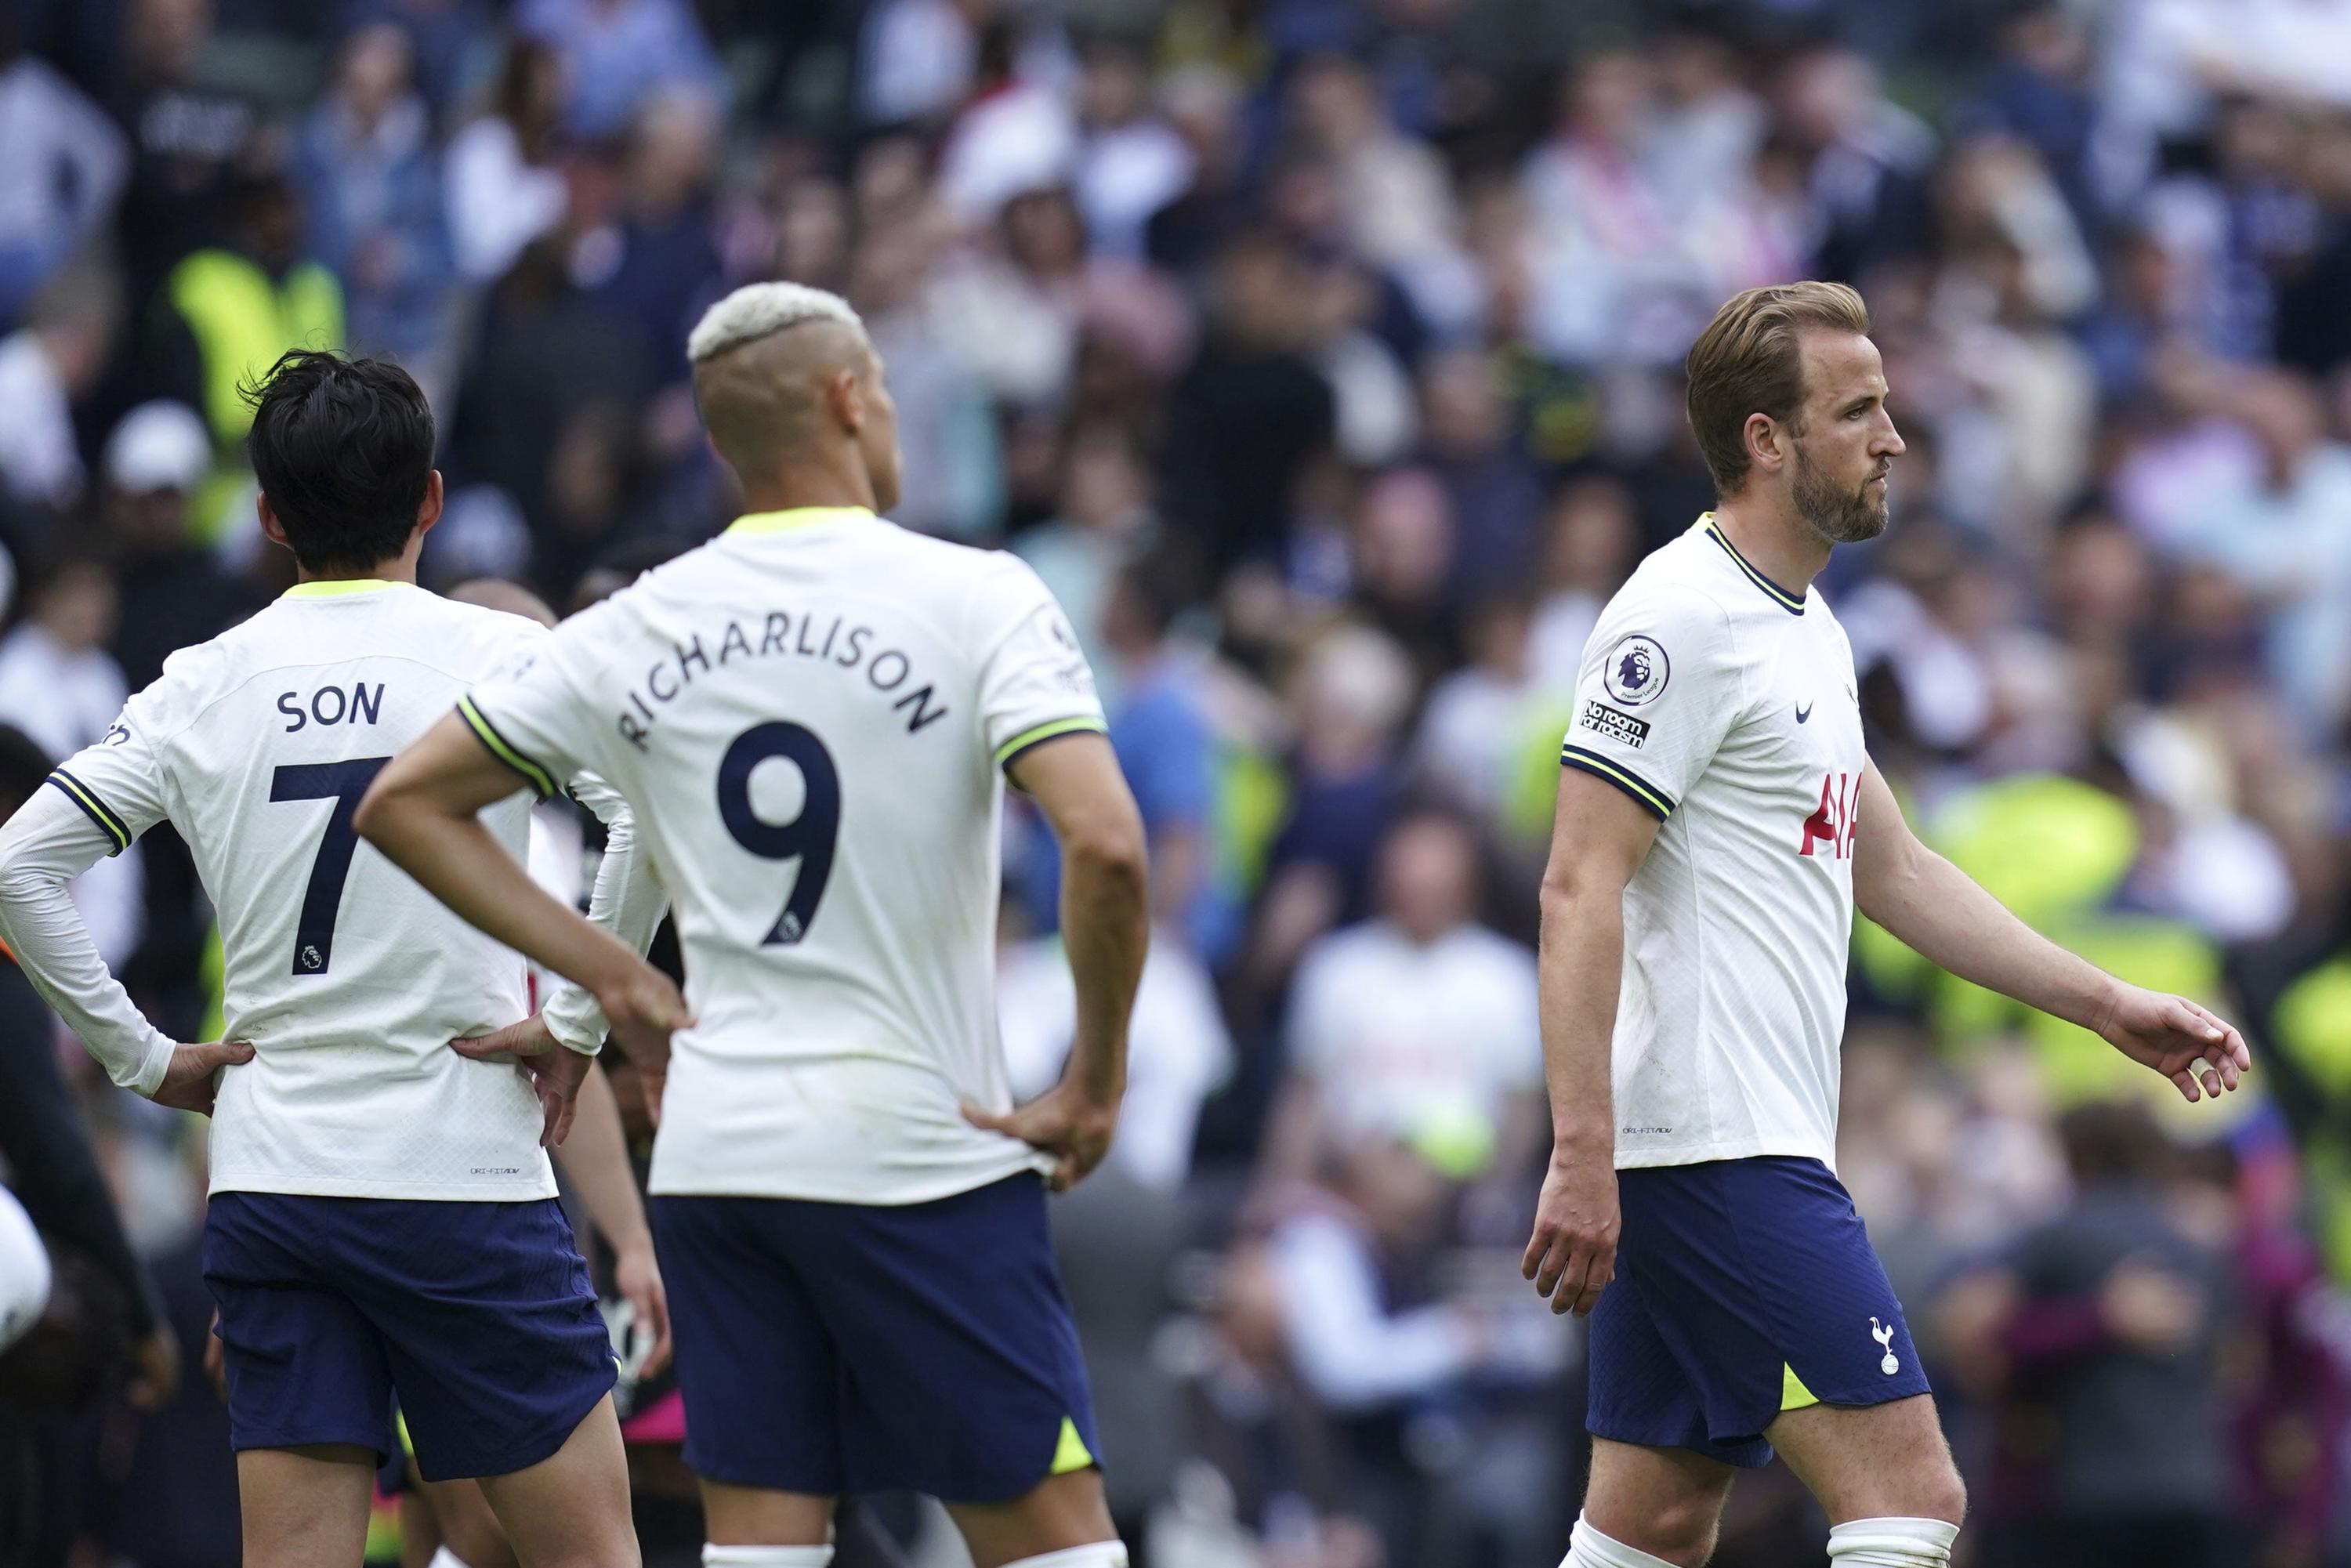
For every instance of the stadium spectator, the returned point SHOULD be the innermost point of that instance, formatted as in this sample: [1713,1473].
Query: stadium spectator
[48,367]
[1417,1025]
[2116,1329]
[619,54]
[370,187]
[64,173]
[1131,162]
[189,139]
[223,314]
[174,591]
[504,187]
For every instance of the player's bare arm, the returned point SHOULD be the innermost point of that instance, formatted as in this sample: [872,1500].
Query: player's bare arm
[1599,837]
[1107,928]
[596,1159]
[628,900]
[1953,923]
[421,812]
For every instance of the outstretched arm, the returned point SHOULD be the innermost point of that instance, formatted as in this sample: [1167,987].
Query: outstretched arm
[422,812]
[1951,921]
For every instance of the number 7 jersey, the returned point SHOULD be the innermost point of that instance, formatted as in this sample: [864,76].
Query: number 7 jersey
[347,977]
[810,716]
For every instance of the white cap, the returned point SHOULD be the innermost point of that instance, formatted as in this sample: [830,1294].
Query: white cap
[159,445]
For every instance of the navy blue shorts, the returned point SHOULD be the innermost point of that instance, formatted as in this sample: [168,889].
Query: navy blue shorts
[833,1347]
[479,1315]
[1743,1287]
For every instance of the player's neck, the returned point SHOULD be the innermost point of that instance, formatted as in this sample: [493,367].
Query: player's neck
[806,488]
[1774,540]
[400,567]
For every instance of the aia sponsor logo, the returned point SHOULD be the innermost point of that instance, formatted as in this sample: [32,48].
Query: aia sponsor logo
[1829,829]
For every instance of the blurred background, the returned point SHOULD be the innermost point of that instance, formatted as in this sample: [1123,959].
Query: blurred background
[1323,356]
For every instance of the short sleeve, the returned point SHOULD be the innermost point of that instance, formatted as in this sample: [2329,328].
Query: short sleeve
[534,719]
[119,783]
[1034,683]
[1659,688]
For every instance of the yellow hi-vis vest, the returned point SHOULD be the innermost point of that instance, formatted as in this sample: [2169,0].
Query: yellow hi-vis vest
[242,321]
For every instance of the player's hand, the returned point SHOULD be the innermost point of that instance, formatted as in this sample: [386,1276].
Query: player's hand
[2199,1052]
[638,1275]
[1065,1122]
[155,1370]
[642,1010]
[1573,1254]
[553,1070]
[190,1082]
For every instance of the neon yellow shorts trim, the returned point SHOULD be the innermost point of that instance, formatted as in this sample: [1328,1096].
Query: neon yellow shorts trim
[1071,1453]
[1794,1395]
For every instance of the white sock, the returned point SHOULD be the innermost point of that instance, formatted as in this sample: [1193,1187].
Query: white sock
[765,1556]
[444,1558]
[1587,1548]
[1892,1543]
[1095,1554]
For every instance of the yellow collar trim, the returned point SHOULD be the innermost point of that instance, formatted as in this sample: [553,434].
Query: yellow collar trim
[797,517]
[336,587]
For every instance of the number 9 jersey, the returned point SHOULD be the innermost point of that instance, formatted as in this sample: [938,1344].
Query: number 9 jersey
[346,978]
[810,715]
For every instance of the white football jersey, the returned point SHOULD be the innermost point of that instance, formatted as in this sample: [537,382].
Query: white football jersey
[810,716]
[1726,706]
[347,977]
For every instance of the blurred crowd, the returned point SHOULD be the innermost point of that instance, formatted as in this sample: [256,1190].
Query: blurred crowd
[1323,356]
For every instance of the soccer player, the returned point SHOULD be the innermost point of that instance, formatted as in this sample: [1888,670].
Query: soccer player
[1717,821]
[382,1215]
[813,715]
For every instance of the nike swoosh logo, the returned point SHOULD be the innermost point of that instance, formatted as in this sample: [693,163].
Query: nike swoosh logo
[1803,714]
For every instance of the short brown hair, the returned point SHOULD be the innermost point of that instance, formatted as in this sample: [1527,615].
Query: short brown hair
[1746,362]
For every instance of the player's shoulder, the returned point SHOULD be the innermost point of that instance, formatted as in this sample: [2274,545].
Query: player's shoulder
[192,677]
[951,567]
[973,594]
[490,640]
[1674,589]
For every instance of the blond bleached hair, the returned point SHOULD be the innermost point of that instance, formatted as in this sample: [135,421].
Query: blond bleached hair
[1746,362]
[759,311]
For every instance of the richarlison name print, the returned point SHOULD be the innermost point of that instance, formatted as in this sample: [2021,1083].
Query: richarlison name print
[857,652]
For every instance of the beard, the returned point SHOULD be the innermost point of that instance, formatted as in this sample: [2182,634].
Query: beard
[1840,516]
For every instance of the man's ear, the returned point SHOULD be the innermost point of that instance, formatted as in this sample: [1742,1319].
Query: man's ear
[271,529]
[428,510]
[847,399]
[1766,442]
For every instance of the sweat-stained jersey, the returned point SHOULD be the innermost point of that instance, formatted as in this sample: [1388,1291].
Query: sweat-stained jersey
[810,716]
[1726,706]
[347,977]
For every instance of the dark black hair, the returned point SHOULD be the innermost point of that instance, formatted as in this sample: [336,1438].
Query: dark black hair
[343,449]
